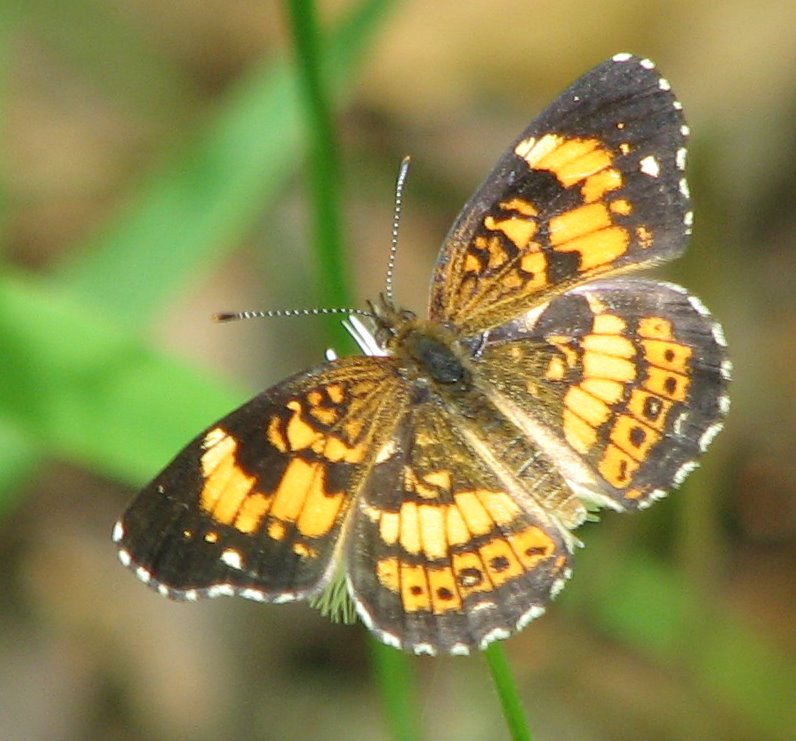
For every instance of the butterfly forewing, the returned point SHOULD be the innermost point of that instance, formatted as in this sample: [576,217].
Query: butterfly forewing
[594,185]
[255,505]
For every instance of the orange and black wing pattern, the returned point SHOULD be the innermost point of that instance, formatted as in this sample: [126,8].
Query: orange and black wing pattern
[595,185]
[448,551]
[256,504]
[627,378]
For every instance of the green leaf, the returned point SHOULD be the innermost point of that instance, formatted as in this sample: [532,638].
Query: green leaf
[654,610]
[82,388]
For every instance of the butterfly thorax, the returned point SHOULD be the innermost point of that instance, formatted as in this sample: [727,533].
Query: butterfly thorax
[431,349]
[426,350]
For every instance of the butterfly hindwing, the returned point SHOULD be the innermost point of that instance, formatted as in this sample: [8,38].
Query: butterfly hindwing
[629,376]
[445,553]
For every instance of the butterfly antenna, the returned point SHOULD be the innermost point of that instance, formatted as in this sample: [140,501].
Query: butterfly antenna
[231,316]
[403,171]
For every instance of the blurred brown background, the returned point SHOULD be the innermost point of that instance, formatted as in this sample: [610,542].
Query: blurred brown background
[97,94]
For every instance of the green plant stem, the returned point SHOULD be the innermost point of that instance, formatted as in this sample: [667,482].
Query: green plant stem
[396,687]
[507,693]
[324,167]
[391,667]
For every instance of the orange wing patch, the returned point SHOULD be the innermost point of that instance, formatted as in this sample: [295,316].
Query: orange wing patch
[573,161]
[602,414]
[226,486]
[303,498]
[475,543]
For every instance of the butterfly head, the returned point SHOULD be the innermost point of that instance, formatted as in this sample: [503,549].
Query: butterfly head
[390,322]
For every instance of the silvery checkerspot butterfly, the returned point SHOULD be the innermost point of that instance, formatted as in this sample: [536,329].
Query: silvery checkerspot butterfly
[443,474]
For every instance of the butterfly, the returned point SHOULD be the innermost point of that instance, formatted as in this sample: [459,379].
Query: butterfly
[442,476]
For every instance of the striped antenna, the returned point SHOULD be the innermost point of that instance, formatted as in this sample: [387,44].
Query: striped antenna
[403,171]
[231,316]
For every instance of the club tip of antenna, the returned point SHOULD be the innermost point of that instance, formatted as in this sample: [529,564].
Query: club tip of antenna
[226,316]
